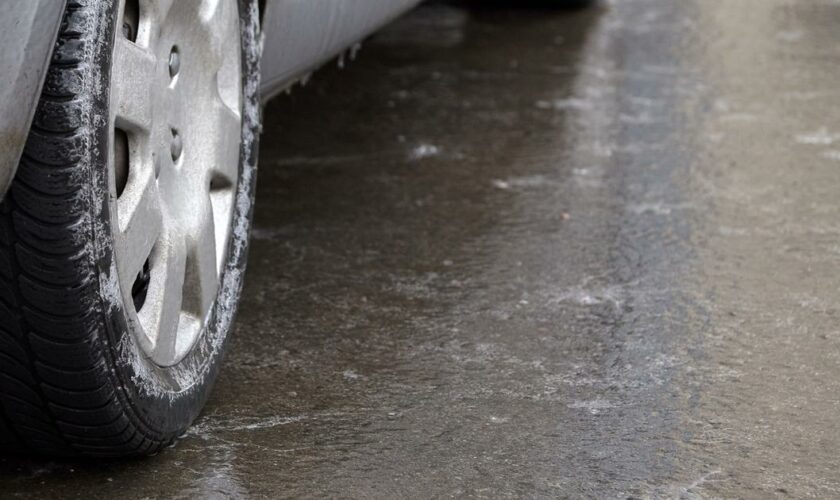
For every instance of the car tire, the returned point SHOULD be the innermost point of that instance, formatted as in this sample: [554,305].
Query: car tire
[83,373]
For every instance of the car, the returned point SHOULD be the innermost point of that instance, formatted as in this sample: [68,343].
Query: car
[129,133]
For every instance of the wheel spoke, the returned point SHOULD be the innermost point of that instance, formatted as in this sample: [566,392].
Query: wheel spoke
[162,311]
[224,161]
[210,19]
[202,280]
[140,222]
[210,10]
[222,201]
[131,95]
[160,11]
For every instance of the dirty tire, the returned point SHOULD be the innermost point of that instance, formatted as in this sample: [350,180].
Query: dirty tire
[73,380]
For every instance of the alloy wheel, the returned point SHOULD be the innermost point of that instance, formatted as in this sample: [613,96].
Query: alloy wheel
[176,119]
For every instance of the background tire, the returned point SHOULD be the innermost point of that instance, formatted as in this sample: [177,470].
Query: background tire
[74,379]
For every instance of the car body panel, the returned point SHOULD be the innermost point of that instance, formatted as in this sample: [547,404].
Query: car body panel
[299,35]
[27,34]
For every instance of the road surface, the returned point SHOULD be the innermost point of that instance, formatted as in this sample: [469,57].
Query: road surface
[513,252]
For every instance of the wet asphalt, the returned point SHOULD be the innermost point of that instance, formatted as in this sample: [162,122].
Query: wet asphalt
[513,252]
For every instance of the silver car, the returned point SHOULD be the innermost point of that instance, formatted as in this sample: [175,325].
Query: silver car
[127,201]
[128,160]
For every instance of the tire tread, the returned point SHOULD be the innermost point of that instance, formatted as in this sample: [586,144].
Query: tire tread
[57,395]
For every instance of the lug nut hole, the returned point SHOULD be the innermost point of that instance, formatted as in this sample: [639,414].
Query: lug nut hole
[174,62]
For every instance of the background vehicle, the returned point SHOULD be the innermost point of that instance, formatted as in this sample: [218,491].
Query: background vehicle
[123,235]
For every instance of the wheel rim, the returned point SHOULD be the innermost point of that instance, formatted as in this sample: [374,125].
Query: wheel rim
[176,133]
